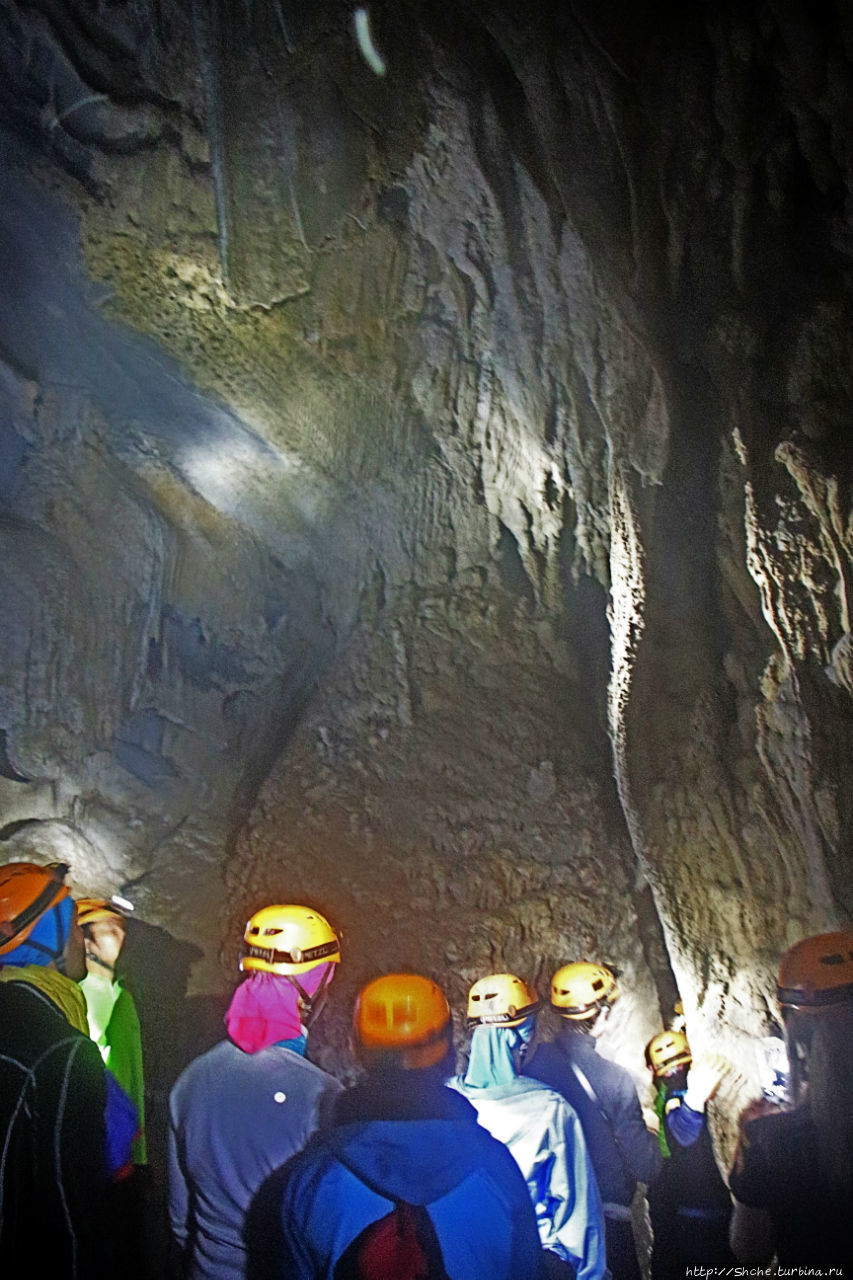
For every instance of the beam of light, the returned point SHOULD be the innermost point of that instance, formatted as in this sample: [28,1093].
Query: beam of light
[233,470]
[368,49]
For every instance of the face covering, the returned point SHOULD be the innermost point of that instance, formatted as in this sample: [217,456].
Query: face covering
[497,1054]
[265,1008]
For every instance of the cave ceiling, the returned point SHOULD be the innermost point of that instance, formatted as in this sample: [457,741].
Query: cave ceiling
[427,493]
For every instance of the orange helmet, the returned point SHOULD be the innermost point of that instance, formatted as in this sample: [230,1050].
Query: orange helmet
[404,1014]
[817,972]
[668,1050]
[92,910]
[579,991]
[27,891]
[501,1000]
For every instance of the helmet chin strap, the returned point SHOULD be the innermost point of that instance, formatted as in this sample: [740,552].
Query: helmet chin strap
[310,1007]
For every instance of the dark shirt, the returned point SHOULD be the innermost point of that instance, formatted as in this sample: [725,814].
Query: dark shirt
[690,1177]
[689,1204]
[777,1169]
[53,1193]
[622,1150]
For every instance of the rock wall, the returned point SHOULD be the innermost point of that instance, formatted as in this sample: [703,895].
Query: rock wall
[428,494]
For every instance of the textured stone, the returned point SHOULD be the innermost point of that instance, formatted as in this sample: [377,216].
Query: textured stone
[430,494]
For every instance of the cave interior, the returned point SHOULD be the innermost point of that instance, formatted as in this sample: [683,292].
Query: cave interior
[424,490]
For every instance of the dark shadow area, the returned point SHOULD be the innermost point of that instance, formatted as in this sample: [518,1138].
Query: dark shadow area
[175,1028]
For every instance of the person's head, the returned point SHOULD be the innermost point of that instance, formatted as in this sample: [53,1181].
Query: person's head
[502,1011]
[815,978]
[103,931]
[506,1001]
[292,941]
[38,920]
[582,994]
[501,1000]
[815,993]
[402,1022]
[668,1056]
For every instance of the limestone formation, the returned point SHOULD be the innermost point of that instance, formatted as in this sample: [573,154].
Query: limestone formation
[427,494]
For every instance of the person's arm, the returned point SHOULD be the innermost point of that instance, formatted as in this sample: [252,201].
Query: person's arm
[684,1117]
[639,1148]
[80,1145]
[751,1235]
[179,1196]
[122,1125]
[124,1059]
[326,1105]
[681,1123]
[751,1232]
[295,1261]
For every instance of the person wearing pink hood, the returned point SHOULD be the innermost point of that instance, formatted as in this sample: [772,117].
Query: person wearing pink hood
[253,1100]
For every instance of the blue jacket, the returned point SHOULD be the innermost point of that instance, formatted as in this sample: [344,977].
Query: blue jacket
[623,1151]
[544,1136]
[235,1117]
[410,1141]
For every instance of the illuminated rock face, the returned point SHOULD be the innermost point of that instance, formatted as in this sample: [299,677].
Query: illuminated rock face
[428,494]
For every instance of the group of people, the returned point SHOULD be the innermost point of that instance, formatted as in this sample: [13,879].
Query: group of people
[523,1167]
[71,1093]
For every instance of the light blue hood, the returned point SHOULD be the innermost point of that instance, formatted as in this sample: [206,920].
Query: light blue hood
[496,1054]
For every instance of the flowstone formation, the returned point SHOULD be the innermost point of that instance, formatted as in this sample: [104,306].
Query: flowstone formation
[427,494]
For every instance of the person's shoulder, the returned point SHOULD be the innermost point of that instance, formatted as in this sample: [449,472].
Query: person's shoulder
[546,1056]
[209,1064]
[35,1005]
[779,1129]
[314,1077]
[614,1073]
[544,1094]
[287,1194]
[303,1173]
[37,1019]
[279,1053]
[494,1161]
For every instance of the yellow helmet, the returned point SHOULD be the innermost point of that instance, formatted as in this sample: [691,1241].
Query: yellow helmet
[668,1050]
[288,940]
[404,1014]
[91,910]
[817,971]
[501,1000]
[27,891]
[579,991]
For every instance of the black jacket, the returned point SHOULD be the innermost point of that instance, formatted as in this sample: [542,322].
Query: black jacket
[622,1150]
[53,1188]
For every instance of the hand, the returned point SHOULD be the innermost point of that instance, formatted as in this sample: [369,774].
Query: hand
[703,1080]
